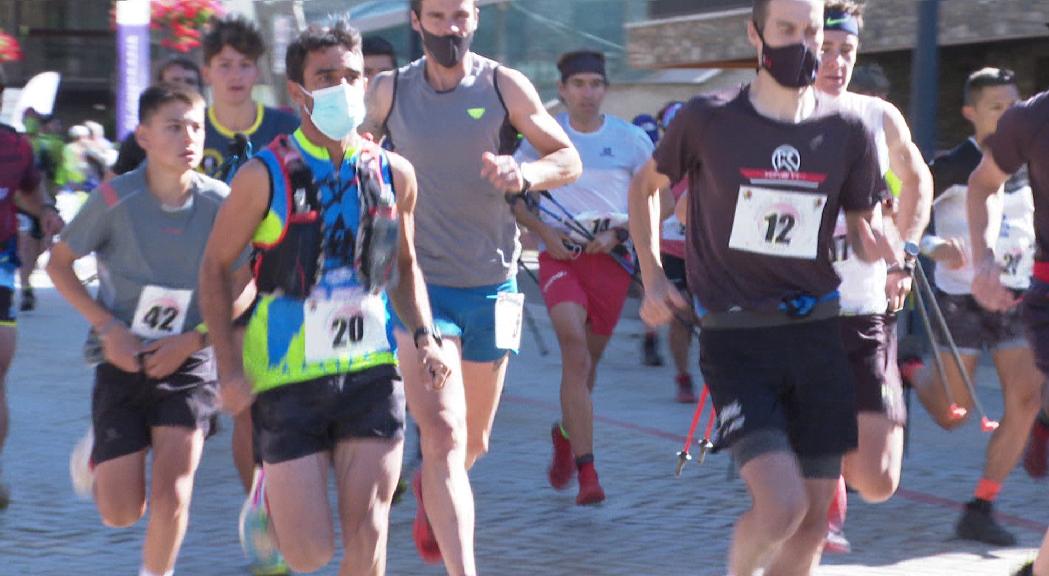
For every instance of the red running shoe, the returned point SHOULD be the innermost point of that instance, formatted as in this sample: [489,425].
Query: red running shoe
[590,490]
[422,532]
[686,392]
[836,543]
[562,468]
[1037,446]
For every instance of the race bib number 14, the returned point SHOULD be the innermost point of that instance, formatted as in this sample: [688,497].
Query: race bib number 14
[777,222]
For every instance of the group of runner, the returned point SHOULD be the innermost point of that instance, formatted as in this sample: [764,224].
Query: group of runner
[312,283]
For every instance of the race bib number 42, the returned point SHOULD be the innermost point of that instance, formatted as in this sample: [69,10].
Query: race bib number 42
[777,223]
[161,312]
[345,328]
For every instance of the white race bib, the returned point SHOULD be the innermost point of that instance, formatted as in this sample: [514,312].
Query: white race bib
[161,312]
[345,328]
[596,222]
[777,223]
[673,229]
[1016,257]
[509,314]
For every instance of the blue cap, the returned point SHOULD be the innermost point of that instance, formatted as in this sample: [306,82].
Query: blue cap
[647,123]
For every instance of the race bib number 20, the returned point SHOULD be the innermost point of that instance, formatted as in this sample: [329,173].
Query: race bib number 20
[777,222]
[345,328]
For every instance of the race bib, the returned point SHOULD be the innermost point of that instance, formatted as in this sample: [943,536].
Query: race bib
[777,223]
[345,328]
[161,312]
[509,314]
[1016,257]
[593,223]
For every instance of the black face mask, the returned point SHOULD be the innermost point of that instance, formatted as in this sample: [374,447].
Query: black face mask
[792,66]
[448,51]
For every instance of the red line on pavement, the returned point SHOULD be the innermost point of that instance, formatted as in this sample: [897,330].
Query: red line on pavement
[905,493]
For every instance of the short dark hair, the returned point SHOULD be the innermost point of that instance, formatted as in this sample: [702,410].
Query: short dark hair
[848,7]
[235,31]
[314,38]
[870,79]
[760,13]
[379,46]
[156,96]
[417,6]
[986,78]
[180,62]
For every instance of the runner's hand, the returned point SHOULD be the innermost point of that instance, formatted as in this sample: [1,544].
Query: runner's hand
[661,303]
[502,171]
[163,357]
[235,395]
[555,245]
[897,286]
[431,358]
[121,348]
[987,287]
[51,222]
[951,254]
[603,243]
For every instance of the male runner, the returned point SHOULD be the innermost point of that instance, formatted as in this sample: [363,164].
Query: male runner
[872,292]
[155,383]
[379,56]
[584,268]
[19,178]
[769,172]
[988,94]
[318,359]
[231,50]
[1021,138]
[455,116]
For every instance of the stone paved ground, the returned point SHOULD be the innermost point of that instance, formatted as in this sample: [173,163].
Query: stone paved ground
[651,524]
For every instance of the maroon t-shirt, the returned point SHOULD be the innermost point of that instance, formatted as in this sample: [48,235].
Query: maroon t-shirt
[763,198]
[1022,138]
[17,172]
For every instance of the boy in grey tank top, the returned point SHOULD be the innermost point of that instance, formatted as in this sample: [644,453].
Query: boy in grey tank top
[455,116]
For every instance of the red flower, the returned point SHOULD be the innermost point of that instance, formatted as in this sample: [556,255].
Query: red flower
[10,51]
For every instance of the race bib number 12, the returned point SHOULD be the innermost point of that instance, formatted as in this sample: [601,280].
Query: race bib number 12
[777,222]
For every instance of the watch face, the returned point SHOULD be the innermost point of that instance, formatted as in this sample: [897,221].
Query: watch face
[910,249]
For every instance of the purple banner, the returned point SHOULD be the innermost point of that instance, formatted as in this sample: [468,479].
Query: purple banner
[132,61]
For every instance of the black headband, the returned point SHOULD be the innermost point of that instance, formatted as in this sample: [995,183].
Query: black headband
[582,64]
[842,21]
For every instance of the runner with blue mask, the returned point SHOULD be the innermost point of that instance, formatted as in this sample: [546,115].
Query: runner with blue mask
[330,218]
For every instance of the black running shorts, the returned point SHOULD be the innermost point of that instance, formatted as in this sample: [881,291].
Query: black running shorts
[125,407]
[870,342]
[791,382]
[975,329]
[305,418]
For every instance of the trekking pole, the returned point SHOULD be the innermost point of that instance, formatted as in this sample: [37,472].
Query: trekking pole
[683,457]
[955,412]
[529,320]
[986,424]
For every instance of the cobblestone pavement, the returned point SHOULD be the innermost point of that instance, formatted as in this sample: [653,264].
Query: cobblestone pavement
[651,524]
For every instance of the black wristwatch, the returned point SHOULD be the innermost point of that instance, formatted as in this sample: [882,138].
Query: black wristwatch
[423,331]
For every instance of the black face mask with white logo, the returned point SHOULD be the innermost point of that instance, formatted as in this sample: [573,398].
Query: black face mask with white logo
[448,50]
[792,66]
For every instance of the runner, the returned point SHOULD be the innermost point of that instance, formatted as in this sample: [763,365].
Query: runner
[155,384]
[988,94]
[18,178]
[585,268]
[1021,138]
[872,292]
[769,172]
[455,116]
[318,363]
[379,56]
[232,49]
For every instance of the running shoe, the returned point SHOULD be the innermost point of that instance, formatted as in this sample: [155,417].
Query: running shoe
[562,468]
[686,391]
[256,531]
[650,351]
[422,531]
[1036,452]
[978,523]
[28,301]
[590,490]
[81,468]
[836,542]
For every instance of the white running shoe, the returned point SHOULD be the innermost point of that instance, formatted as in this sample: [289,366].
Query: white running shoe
[80,469]
[256,534]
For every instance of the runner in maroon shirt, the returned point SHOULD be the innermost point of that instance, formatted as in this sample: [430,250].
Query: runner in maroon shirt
[1022,138]
[769,171]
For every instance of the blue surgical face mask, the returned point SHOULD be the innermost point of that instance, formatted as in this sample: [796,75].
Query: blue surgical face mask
[337,111]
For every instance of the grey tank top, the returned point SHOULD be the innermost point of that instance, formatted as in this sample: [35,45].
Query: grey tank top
[465,233]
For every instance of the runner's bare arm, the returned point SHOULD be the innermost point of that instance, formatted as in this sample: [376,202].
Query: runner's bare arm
[234,226]
[60,269]
[559,162]
[643,202]
[906,162]
[866,239]
[667,206]
[378,101]
[985,207]
[36,202]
